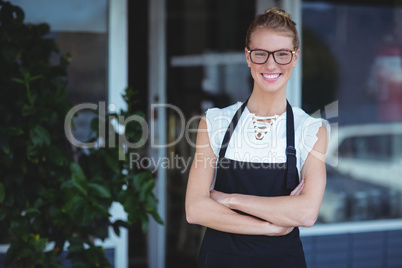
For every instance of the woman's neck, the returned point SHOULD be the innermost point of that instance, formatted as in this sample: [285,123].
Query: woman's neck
[267,104]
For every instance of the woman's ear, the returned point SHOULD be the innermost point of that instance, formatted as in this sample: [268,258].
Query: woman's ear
[295,57]
[247,56]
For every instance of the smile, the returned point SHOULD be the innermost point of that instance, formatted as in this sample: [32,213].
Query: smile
[271,76]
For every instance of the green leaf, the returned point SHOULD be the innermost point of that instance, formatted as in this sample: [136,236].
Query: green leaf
[100,210]
[122,224]
[32,152]
[119,223]
[76,245]
[32,212]
[133,217]
[5,147]
[25,252]
[98,190]
[14,131]
[131,206]
[74,206]
[38,203]
[33,78]
[139,179]
[156,217]
[67,185]
[78,179]
[121,196]
[77,170]
[39,136]
[27,110]
[17,80]
[57,215]
[144,223]
[11,254]
[56,156]
[94,124]
[146,189]
[3,214]
[89,214]
[151,201]
[51,259]
[2,193]
[116,229]
[39,244]
[79,184]
[79,264]
[112,162]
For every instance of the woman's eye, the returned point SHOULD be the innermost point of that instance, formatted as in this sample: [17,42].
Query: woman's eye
[282,54]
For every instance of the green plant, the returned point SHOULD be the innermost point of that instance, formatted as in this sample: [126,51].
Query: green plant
[50,194]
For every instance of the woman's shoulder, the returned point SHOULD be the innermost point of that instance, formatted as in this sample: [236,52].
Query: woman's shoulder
[306,128]
[304,120]
[300,114]
[226,111]
[218,119]
[221,117]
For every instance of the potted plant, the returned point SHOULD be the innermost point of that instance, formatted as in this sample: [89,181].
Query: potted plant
[51,193]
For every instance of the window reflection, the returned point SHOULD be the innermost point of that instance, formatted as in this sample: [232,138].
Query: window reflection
[205,51]
[353,55]
[79,29]
[373,147]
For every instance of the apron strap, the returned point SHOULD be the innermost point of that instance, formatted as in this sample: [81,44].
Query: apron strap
[291,174]
[230,130]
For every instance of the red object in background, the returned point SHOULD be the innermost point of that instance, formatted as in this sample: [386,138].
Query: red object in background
[388,71]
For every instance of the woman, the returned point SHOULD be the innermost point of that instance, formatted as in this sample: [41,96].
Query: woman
[251,154]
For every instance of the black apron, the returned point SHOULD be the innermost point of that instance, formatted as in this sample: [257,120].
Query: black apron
[221,249]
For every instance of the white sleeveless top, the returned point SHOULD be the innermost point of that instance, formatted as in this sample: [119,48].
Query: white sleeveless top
[256,141]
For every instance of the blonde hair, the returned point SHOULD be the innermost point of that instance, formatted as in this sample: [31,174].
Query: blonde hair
[274,19]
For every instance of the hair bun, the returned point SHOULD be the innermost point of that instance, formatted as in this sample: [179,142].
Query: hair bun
[277,11]
[275,19]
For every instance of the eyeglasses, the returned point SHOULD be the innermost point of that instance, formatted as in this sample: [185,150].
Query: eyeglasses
[282,57]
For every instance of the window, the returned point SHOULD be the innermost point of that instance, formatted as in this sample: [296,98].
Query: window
[352,55]
[375,147]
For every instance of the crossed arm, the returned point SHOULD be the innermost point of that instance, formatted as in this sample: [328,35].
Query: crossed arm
[278,215]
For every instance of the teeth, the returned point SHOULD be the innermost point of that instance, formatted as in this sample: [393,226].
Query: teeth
[272,76]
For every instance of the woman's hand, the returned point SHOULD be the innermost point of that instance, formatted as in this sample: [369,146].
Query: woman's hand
[220,197]
[298,189]
[280,230]
[272,229]
[223,198]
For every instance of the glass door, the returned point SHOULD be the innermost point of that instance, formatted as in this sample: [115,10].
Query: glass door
[206,67]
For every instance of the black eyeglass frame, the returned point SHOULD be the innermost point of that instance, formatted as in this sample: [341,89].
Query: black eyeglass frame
[269,53]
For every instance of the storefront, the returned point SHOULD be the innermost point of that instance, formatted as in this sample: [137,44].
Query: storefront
[184,57]
[350,73]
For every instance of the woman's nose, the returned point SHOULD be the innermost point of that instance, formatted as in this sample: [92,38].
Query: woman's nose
[271,61]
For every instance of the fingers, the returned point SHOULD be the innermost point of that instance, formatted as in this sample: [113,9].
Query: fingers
[217,196]
[283,230]
[298,189]
[212,194]
[290,229]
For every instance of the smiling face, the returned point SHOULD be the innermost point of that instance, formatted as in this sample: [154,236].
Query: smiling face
[271,77]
